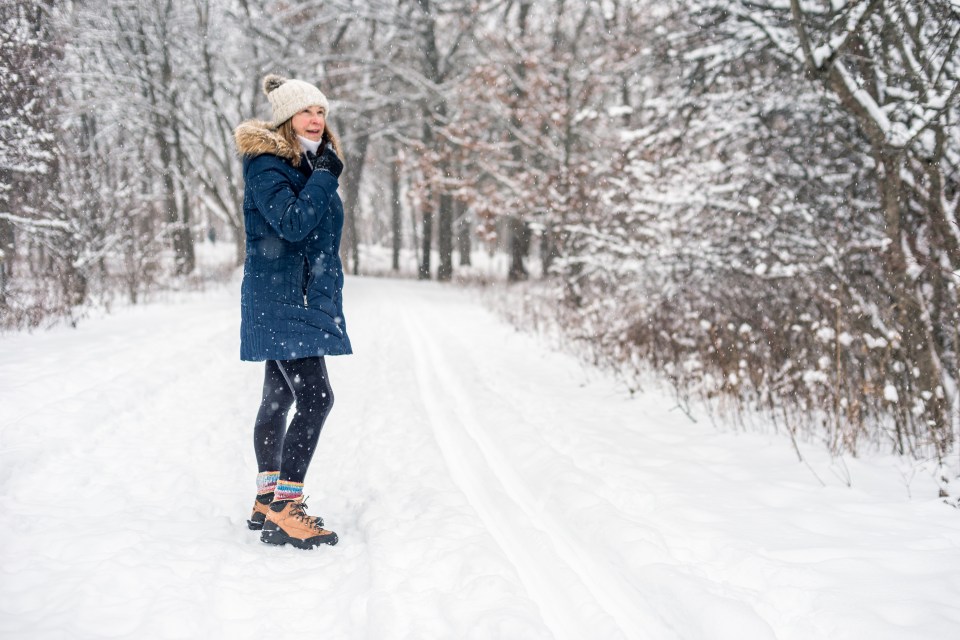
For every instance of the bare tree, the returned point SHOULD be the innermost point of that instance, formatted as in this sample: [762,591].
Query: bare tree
[892,66]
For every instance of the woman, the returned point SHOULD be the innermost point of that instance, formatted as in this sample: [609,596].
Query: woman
[291,304]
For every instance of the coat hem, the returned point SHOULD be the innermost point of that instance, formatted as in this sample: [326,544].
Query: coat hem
[286,356]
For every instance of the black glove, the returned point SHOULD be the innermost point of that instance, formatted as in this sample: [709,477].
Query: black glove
[327,160]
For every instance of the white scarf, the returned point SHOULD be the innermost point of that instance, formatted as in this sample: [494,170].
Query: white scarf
[309,145]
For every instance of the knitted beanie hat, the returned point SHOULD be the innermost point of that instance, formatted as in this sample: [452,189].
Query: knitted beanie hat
[289,97]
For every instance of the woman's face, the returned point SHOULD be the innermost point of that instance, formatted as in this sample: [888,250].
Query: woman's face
[310,123]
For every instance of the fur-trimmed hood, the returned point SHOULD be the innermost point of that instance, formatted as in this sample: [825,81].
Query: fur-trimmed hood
[257,137]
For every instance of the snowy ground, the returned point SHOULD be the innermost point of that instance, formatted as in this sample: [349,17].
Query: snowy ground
[482,487]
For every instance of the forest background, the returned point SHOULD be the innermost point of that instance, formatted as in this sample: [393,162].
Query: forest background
[756,199]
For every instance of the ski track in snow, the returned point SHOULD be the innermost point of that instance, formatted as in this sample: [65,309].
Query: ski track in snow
[482,487]
[577,596]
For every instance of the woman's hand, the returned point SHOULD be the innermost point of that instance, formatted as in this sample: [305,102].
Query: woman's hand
[328,160]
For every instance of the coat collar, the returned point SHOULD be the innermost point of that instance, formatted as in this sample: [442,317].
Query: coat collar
[257,137]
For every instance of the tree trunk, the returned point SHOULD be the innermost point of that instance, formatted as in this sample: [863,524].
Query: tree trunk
[353,172]
[240,245]
[549,250]
[445,238]
[426,241]
[435,115]
[180,239]
[519,248]
[186,254]
[464,233]
[169,196]
[174,163]
[396,225]
[917,340]
[518,229]
[6,256]
[920,348]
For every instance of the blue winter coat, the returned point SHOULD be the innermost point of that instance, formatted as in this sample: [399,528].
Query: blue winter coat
[291,298]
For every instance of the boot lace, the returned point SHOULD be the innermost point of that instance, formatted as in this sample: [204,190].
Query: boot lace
[298,511]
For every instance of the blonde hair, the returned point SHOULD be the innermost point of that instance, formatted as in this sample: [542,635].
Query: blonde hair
[290,137]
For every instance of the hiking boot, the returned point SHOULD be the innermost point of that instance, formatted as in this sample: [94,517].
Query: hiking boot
[287,521]
[259,515]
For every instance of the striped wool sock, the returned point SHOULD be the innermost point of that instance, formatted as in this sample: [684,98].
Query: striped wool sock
[267,482]
[287,490]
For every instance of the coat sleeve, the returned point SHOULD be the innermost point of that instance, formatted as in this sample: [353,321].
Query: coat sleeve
[293,216]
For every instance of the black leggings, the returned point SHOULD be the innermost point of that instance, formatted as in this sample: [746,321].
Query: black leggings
[289,450]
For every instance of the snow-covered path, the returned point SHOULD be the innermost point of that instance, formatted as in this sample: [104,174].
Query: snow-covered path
[482,487]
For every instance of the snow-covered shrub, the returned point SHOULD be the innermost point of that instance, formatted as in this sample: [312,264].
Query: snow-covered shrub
[738,238]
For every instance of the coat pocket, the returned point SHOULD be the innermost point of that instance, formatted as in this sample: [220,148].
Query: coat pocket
[304,279]
[285,279]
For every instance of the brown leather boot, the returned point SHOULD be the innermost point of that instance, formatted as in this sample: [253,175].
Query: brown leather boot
[287,521]
[259,515]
